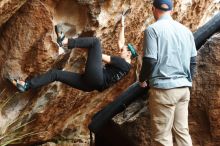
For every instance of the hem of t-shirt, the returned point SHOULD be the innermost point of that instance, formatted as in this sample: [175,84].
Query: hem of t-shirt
[150,56]
[194,55]
[170,83]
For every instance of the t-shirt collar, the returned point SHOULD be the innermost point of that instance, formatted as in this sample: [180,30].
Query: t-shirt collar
[165,17]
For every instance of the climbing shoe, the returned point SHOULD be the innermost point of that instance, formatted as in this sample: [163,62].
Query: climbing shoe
[21,87]
[60,35]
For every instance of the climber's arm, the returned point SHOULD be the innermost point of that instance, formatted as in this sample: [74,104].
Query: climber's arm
[106,58]
[121,39]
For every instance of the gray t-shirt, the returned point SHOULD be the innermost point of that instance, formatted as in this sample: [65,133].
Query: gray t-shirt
[172,45]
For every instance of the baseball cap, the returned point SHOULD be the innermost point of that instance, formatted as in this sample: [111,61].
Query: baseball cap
[159,4]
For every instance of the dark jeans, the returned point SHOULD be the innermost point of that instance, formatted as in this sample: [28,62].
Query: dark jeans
[91,79]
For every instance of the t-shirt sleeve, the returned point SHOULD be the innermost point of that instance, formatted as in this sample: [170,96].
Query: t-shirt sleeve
[193,51]
[150,43]
[119,63]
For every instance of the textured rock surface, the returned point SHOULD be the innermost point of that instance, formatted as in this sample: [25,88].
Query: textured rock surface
[8,8]
[57,112]
[194,13]
[206,92]
[26,48]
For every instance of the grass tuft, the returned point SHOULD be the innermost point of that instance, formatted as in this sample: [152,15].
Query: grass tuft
[12,133]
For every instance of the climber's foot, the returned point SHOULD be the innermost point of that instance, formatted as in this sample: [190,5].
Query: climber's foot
[22,86]
[60,35]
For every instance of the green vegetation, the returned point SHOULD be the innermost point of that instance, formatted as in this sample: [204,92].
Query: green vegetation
[11,134]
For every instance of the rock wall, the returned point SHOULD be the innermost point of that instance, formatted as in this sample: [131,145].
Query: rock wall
[206,92]
[57,112]
[8,8]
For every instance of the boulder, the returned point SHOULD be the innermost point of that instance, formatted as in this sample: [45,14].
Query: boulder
[8,8]
[56,112]
[205,96]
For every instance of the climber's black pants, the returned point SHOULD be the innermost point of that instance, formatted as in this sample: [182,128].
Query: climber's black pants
[90,80]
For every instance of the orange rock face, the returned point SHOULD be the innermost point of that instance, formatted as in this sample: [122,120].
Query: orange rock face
[8,8]
[206,97]
[56,111]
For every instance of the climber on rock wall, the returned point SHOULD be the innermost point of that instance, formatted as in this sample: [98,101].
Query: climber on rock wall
[96,76]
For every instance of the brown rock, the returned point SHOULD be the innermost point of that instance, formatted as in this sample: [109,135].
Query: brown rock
[28,48]
[25,39]
[8,8]
[194,14]
[207,85]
